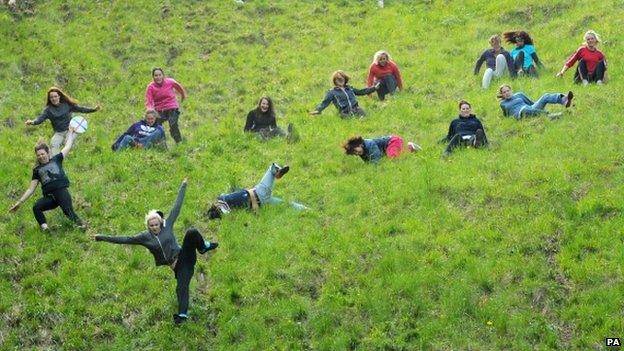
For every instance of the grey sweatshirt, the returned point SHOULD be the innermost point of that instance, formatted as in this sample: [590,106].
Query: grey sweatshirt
[163,246]
[60,115]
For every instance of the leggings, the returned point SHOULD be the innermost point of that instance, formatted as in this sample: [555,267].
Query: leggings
[185,267]
[171,116]
[59,197]
[582,73]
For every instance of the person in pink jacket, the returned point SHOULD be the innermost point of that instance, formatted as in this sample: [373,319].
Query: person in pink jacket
[385,73]
[160,95]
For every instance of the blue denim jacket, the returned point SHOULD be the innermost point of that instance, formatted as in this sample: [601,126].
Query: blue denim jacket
[343,98]
[514,105]
[374,149]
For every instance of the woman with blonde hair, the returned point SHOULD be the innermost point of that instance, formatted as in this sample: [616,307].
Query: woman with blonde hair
[161,242]
[497,60]
[519,105]
[59,108]
[592,64]
[384,73]
[342,95]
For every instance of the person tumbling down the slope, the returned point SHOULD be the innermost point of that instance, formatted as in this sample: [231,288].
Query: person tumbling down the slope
[161,242]
[342,95]
[372,150]
[465,130]
[252,198]
[143,134]
[519,105]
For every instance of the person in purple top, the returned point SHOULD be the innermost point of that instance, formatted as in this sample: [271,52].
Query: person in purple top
[160,95]
[59,108]
[162,244]
[142,134]
[497,60]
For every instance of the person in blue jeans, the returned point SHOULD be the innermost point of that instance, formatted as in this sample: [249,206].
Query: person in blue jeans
[142,134]
[519,105]
[342,95]
[252,198]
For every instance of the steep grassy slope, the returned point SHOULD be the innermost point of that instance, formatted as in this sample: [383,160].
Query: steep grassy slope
[516,247]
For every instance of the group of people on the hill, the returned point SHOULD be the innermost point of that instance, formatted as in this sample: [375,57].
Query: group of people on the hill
[384,78]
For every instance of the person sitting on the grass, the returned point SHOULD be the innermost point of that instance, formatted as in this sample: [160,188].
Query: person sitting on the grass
[524,54]
[385,72]
[161,242]
[342,95]
[465,130]
[592,64]
[261,120]
[252,198]
[59,108]
[519,105]
[142,134]
[497,60]
[54,184]
[372,150]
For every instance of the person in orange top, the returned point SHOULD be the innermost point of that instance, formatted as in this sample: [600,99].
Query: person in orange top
[592,65]
[385,73]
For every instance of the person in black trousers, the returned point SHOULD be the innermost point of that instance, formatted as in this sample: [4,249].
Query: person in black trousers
[465,130]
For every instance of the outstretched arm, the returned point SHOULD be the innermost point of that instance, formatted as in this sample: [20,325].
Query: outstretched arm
[42,117]
[537,61]
[83,109]
[328,99]
[130,240]
[27,194]
[175,211]
[180,89]
[69,141]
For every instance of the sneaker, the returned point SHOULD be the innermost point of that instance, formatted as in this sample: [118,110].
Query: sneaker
[599,82]
[479,138]
[278,171]
[45,228]
[82,226]
[446,154]
[413,147]
[208,246]
[585,82]
[179,318]
[569,98]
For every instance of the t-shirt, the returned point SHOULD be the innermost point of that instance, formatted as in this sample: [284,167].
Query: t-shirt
[528,51]
[51,175]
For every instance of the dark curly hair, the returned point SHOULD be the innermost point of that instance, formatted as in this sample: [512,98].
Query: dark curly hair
[353,142]
[511,37]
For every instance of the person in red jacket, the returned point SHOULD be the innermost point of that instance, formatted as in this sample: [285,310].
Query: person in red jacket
[592,64]
[385,72]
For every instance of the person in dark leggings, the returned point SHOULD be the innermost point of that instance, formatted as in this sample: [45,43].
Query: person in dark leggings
[592,64]
[261,120]
[524,54]
[465,130]
[160,95]
[161,242]
[385,72]
[54,184]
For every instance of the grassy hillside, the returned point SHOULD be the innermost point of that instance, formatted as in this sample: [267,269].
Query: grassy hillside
[517,247]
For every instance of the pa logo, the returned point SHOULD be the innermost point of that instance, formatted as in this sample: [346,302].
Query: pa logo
[613,342]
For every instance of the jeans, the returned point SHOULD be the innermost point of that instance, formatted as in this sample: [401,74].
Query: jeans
[355,111]
[56,142]
[59,197]
[171,116]
[264,190]
[538,107]
[185,267]
[146,141]
[583,74]
[501,66]
[388,86]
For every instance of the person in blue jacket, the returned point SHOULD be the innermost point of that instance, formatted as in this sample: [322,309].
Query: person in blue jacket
[342,95]
[465,130]
[524,54]
[142,134]
[519,105]
[372,150]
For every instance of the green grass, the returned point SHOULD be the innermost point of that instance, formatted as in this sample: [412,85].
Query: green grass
[513,248]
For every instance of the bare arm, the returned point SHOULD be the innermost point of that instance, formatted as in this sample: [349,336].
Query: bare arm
[68,142]
[27,194]
[180,89]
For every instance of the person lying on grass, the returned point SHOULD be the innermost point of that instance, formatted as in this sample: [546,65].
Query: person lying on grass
[59,108]
[261,120]
[592,64]
[519,105]
[465,130]
[143,134]
[160,240]
[342,95]
[252,198]
[54,184]
[372,150]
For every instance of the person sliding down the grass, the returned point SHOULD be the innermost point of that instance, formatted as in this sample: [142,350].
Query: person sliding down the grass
[592,66]
[465,130]
[160,95]
[385,72]
[524,54]
[497,60]
[252,198]
[142,134]
[372,150]
[519,105]
[54,184]
[261,120]
[161,242]
[342,95]
[59,108]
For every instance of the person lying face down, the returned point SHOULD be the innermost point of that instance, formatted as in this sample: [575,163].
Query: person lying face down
[372,150]
[252,198]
